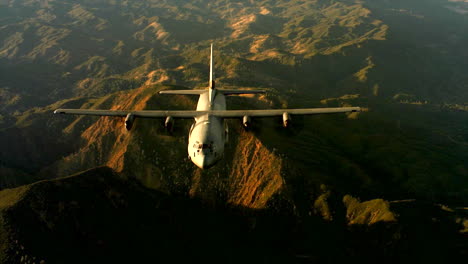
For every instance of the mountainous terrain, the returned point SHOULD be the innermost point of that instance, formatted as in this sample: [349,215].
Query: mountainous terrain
[318,49]
[393,176]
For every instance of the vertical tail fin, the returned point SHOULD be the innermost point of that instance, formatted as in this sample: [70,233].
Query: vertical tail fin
[211,89]
[212,84]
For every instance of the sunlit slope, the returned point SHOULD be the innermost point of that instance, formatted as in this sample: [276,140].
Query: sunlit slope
[359,155]
[249,175]
[60,49]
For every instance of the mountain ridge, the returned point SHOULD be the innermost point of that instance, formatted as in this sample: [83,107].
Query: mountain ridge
[113,55]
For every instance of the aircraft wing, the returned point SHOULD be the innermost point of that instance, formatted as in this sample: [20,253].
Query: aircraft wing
[140,114]
[280,112]
[219,113]
[91,112]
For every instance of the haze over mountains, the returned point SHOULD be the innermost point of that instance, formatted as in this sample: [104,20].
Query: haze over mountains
[404,61]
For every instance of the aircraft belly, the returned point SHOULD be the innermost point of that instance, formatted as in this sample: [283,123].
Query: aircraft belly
[203,102]
[209,130]
[220,102]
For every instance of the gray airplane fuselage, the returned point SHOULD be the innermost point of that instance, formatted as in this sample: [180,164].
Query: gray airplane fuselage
[207,135]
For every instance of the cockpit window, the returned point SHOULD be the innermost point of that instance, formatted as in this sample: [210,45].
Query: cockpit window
[203,146]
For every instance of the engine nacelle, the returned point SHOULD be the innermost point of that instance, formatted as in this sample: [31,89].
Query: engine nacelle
[246,122]
[129,121]
[169,123]
[286,120]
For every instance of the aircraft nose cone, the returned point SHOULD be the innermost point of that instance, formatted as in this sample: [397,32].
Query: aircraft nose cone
[203,162]
[199,161]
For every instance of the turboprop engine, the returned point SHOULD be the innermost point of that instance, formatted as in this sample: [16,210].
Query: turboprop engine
[169,123]
[286,120]
[129,121]
[246,122]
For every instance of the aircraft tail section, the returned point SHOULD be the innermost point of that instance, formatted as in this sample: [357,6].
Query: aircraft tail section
[211,88]
[212,82]
[187,92]
[239,91]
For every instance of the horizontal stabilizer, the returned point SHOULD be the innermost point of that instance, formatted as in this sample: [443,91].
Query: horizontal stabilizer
[238,91]
[193,92]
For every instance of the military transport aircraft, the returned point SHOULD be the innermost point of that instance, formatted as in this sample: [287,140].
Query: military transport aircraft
[208,134]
